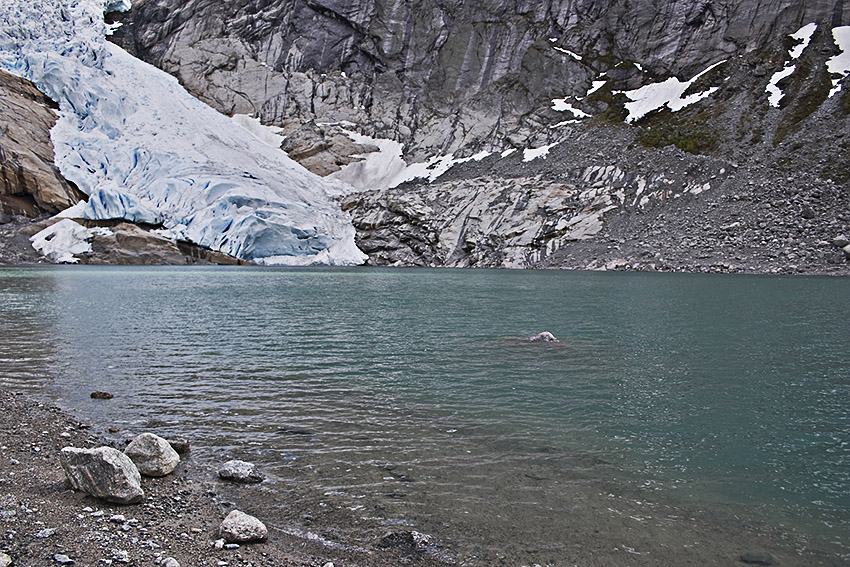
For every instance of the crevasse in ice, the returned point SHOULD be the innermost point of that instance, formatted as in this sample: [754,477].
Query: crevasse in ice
[145,150]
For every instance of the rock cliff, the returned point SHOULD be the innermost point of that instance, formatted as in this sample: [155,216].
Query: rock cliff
[30,184]
[707,135]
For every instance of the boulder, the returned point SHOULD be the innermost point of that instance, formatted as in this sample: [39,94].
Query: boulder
[841,241]
[239,527]
[846,250]
[544,337]
[152,455]
[5,560]
[240,471]
[104,472]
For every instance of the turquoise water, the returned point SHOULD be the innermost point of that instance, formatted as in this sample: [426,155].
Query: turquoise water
[404,396]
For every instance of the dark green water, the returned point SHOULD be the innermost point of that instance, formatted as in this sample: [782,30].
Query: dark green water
[402,396]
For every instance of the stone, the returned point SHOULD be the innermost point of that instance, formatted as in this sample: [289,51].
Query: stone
[45,533]
[757,558]
[544,337]
[406,540]
[152,455]
[240,471]
[846,250]
[239,527]
[101,396]
[104,473]
[840,241]
[5,560]
[63,559]
[169,562]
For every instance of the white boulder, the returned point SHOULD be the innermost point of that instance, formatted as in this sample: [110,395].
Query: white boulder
[239,527]
[152,455]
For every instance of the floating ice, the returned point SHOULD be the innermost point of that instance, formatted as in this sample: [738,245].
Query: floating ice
[143,149]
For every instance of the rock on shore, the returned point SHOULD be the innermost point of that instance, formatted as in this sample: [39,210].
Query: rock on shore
[152,455]
[104,472]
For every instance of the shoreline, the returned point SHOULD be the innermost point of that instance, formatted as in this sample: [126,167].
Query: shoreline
[42,519]
[181,513]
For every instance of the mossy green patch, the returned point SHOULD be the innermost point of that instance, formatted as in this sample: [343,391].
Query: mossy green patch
[812,93]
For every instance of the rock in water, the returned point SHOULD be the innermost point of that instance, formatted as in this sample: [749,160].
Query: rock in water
[240,471]
[104,472]
[757,558]
[180,444]
[101,396]
[152,455]
[239,527]
[544,337]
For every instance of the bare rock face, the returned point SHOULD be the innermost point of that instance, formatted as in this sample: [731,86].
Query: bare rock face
[441,75]
[104,473]
[29,182]
[152,455]
[239,527]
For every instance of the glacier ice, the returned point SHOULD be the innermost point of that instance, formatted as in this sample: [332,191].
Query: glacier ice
[145,150]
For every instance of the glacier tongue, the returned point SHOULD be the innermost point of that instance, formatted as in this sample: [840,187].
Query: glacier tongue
[145,150]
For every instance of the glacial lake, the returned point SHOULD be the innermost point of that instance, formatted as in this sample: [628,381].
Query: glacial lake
[680,419]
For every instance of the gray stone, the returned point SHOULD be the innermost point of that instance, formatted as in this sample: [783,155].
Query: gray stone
[240,471]
[840,241]
[152,455]
[846,250]
[63,559]
[239,527]
[5,560]
[169,562]
[104,472]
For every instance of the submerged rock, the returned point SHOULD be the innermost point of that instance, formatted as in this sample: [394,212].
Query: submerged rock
[152,455]
[104,472]
[239,527]
[101,396]
[240,471]
[757,558]
[180,444]
[544,337]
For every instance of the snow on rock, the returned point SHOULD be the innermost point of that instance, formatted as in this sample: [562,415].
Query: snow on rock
[804,36]
[561,105]
[839,64]
[386,168]
[62,240]
[775,94]
[669,93]
[530,154]
[145,150]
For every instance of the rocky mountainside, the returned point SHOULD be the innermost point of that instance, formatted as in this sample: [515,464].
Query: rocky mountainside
[674,135]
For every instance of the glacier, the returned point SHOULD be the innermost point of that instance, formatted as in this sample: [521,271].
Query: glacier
[144,150]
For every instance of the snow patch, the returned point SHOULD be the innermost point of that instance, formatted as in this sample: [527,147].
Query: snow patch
[595,86]
[60,242]
[561,105]
[775,94]
[839,64]
[804,36]
[530,154]
[386,168]
[655,96]
[143,149]
[575,56]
